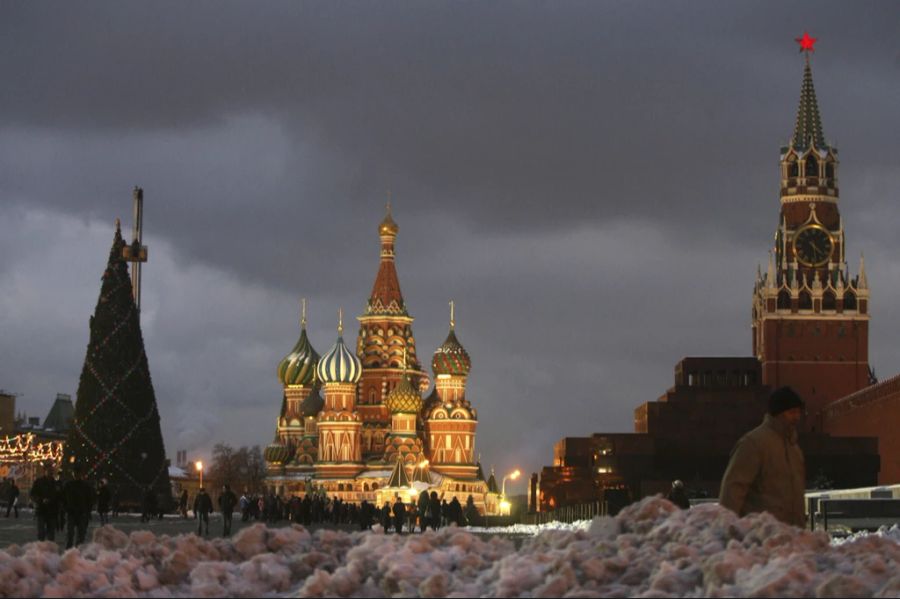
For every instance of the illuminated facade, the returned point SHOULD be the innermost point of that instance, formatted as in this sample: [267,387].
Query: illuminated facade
[349,419]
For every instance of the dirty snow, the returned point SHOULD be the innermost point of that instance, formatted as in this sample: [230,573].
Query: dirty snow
[651,549]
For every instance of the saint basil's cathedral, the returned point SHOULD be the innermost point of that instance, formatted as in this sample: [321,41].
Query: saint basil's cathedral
[355,425]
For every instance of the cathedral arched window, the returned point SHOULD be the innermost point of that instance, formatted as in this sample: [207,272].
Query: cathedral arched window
[812,166]
[849,301]
[784,300]
[805,300]
[829,170]
[828,300]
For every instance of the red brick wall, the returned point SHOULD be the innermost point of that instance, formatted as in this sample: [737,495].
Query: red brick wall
[874,411]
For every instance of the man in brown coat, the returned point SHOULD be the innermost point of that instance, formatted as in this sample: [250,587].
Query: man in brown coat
[766,472]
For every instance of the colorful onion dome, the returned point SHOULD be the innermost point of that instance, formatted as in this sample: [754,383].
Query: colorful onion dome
[339,365]
[404,398]
[388,226]
[312,405]
[451,357]
[299,366]
[277,453]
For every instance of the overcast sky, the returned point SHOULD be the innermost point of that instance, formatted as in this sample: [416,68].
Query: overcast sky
[592,183]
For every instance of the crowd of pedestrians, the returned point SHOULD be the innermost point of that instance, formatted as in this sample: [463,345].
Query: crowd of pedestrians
[68,505]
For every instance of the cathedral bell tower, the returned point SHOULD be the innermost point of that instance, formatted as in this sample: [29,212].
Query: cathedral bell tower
[810,316]
[385,337]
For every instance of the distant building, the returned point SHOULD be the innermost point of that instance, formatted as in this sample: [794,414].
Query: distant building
[688,434]
[56,424]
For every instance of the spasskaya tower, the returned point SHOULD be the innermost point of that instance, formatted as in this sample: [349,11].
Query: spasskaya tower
[810,315]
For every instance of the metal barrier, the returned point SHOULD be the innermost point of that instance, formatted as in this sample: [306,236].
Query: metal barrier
[569,513]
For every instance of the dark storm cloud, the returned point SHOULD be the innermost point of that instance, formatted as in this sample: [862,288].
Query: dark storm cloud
[594,183]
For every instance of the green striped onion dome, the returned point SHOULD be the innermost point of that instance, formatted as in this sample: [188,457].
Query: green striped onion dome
[451,357]
[299,366]
[404,398]
[277,453]
[339,365]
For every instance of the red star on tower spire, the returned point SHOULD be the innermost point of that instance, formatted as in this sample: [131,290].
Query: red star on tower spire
[806,42]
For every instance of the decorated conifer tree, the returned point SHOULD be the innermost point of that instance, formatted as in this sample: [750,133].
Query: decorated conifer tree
[116,433]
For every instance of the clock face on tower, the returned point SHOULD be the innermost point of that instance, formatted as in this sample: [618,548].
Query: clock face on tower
[813,245]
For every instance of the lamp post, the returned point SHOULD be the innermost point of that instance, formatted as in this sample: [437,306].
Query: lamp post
[504,504]
[199,466]
[512,476]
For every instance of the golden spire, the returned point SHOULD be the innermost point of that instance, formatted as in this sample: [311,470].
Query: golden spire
[303,313]
[452,319]
[340,322]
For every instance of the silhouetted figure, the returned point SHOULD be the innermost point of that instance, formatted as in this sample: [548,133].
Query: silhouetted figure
[678,495]
[12,496]
[202,507]
[78,498]
[182,503]
[399,514]
[45,495]
[103,500]
[227,501]
[434,511]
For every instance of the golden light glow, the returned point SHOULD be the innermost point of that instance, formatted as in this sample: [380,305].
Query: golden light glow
[505,507]
[198,465]
[515,474]
[26,448]
[423,463]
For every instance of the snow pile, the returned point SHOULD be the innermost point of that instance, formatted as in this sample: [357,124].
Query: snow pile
[530,529]
[650,549]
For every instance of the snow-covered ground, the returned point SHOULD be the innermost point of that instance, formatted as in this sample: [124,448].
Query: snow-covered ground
[650,549]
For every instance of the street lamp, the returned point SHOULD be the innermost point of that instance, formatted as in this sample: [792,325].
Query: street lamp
[199,466]
[513,476]
[504,503]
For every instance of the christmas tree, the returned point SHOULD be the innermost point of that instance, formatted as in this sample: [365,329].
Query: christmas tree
[115,433]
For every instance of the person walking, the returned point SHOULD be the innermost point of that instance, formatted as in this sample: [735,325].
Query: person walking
[202,507]
[227,501]
[78,497]
[45,496]
[148,509]
[399,514]
[471,512]
[103,500]
[422,510]
[182,503]
[434,510]
[12,496]
[766,472]
[678,495]
[386,517]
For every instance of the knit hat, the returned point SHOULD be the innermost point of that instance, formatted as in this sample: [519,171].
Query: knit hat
[784,399]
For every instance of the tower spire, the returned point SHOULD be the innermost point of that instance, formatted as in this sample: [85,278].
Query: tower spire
[863,280]
[452,319]
[303,313]
[340,322]
[808,128]
[386,297]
